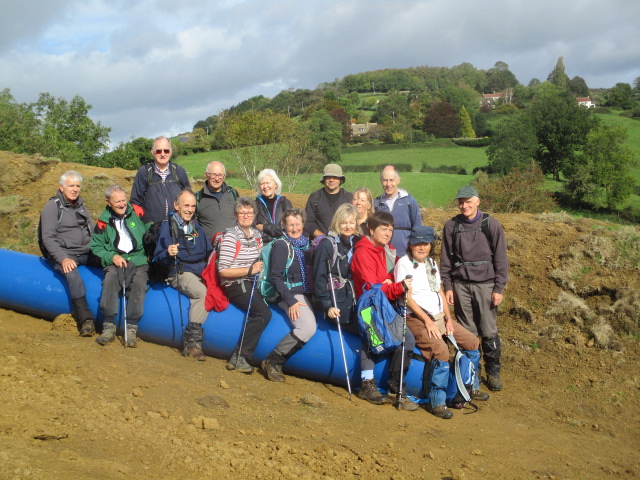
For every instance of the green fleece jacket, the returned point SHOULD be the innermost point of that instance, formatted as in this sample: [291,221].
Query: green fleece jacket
[106,237]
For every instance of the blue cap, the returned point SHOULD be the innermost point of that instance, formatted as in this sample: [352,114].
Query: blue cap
[422,234]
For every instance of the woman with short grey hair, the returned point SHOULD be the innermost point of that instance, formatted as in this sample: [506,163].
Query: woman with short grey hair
[270,205]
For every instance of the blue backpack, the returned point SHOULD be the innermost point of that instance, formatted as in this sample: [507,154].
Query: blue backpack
[378,321]
[461,378]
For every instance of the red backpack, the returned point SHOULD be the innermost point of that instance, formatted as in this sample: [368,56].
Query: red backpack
[216,299]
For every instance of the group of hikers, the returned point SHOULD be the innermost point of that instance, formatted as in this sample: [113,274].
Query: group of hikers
[320,259]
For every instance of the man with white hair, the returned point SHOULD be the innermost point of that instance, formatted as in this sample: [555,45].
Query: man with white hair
[215,201]
[403,207]
[64,237]
[117,242]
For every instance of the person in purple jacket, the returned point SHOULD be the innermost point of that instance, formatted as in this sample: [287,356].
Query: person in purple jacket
[475,270]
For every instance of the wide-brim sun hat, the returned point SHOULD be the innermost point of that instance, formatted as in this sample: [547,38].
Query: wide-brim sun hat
[422,234]
[332,170]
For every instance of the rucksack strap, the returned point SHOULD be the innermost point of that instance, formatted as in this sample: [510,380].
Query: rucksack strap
[459,382]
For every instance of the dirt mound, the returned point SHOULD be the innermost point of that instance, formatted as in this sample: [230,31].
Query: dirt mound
[569,408]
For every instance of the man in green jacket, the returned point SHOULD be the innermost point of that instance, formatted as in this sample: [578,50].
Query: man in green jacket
[117,242]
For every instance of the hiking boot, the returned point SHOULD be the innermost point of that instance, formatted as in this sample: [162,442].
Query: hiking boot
[108,334]
[132,340]
[193,342]
[406,404]
[242,365]
[371,394]
[193,350]
[441,411]
[231,363]
[494,383]
[270,367]
[88,328]
[480,396]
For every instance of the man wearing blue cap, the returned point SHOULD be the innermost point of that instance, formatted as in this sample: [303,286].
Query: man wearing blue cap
[475,271]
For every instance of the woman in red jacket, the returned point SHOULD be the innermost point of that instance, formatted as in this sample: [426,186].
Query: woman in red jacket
[373,261]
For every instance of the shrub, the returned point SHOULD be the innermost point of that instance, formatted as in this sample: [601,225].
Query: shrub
[519,191]
[450,169]
[472,142]
[401,167]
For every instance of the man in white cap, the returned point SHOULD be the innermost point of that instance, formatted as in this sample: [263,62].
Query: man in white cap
[474,270]
[323,203]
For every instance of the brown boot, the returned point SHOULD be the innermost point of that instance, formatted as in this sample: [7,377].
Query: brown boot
[371,394]
[272,366]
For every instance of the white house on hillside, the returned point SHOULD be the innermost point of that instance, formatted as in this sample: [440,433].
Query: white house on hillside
[585,102]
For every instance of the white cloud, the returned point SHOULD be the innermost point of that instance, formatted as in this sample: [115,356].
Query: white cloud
[156,67]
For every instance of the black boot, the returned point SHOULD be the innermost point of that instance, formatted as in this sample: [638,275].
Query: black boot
[193,342]
[272,366]
[84,317]
[491,351]
[370,393]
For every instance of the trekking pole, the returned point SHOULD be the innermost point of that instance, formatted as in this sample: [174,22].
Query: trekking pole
[246,318]
[335,305]
[404,337]
[177,270]
[124,309]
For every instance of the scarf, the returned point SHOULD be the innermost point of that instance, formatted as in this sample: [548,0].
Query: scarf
[300,245]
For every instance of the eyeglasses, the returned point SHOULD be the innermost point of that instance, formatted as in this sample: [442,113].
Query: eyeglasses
[160,151]
[245,214]
[215,175]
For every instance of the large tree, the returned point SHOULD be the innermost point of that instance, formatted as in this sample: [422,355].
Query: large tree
[67,130]
[601,176]
[578,87]
[499,78]
[561,126]
[558,77]
[442,120]
[513,143]
[621,95]
[326,135]
[19,127]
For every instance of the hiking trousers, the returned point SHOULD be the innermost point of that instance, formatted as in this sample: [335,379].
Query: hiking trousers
[474,310]
[135,288]
[437,348]
[259,314]
[191,285]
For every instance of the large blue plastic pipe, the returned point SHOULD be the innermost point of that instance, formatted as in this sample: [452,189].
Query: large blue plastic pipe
[30,285]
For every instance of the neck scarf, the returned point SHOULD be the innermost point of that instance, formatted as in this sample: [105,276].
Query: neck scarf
[299,246]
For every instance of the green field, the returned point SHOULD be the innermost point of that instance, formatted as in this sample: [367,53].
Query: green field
[429,189]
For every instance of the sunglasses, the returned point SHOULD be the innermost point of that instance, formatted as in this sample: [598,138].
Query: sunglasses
[160,151]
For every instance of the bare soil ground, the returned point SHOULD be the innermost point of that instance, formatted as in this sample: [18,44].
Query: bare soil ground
[569,409]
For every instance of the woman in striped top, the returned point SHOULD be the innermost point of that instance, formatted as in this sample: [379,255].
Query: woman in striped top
[239,264]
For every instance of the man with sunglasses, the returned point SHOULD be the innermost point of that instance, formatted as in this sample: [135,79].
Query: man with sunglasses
[158,183]
[183,247]
[216,201]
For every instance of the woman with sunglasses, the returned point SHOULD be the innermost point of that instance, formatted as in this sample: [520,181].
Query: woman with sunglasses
[429,319]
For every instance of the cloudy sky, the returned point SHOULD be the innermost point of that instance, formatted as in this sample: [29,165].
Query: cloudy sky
[152,67]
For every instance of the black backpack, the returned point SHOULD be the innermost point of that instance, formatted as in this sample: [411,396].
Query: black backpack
[43,249]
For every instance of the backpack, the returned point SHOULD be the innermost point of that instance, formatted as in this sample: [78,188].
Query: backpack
[265,286]
[216,299]
[484,228]
[378,321]
[43,249]
[174,174]
[461,378]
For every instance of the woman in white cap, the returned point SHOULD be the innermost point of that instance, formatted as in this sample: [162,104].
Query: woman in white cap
[322,204]
[429,319]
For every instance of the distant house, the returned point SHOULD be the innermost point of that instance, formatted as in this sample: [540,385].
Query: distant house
[358,129]
[585,102]
[491,99]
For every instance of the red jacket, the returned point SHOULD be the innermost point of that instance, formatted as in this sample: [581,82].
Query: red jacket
[369,265]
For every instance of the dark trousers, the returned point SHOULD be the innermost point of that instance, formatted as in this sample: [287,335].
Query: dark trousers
[259,314]
[135,279]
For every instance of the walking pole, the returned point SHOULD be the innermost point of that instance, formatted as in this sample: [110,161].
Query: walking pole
[335,305]
[177,270]
[404,337]
[124,310]
[246,318]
